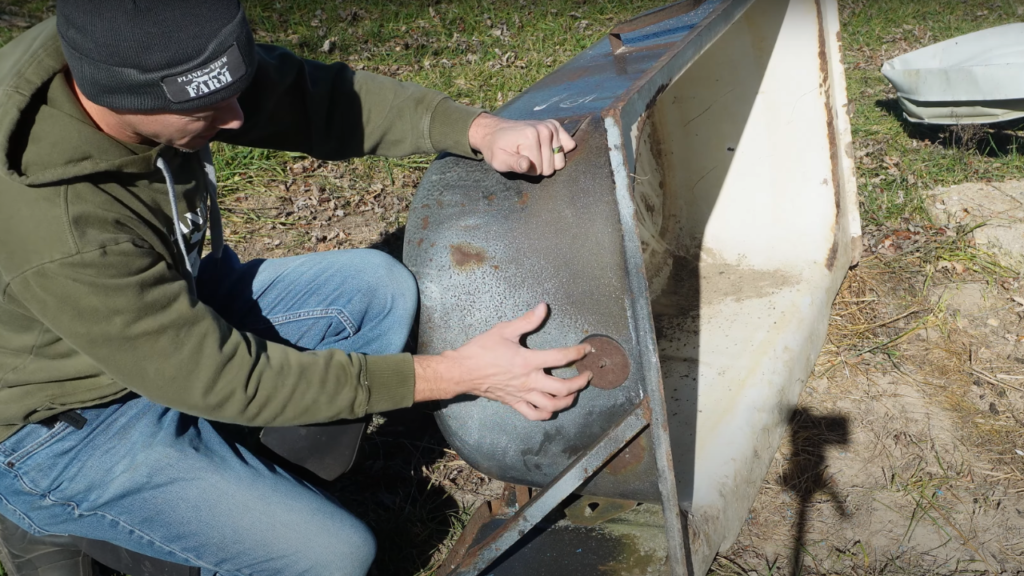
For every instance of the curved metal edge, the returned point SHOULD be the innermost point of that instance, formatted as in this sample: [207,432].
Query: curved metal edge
[627,111]
[639,311]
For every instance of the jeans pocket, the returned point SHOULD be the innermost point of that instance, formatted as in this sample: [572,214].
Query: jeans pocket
[30,440]
[305,329]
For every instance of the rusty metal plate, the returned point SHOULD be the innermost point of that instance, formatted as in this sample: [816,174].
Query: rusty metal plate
[593,510]
[630,459]
[631,543]
[608,362]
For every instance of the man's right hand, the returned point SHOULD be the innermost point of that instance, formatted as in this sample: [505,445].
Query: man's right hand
[494,365]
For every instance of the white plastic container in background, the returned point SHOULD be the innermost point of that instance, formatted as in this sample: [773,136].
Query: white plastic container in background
[971,79]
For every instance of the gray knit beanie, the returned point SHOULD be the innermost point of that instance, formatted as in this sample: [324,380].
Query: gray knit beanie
[154,55]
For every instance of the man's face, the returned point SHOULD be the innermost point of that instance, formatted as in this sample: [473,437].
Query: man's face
[184,130]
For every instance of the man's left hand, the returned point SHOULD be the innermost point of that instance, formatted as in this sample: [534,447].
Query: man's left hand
[533,147]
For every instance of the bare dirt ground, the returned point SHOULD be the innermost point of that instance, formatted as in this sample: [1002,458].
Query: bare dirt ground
[906,453]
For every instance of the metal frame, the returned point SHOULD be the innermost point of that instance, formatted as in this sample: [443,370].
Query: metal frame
[454,213]
[583,467]
[655,16]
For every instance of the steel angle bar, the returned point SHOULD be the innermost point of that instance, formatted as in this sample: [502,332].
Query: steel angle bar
[655,16]
[582,468]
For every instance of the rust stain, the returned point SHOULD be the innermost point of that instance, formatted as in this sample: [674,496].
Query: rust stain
[833,252]
[500,506]
[439,203]
[630,457]
[419,243]
[522,495]
[654,99]
[525,199]
[426,222]
[491,198]
[495,266]
[608,362]
[425,206]
[466,256]
[463,545]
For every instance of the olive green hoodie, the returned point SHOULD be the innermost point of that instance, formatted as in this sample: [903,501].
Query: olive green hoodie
[96,293]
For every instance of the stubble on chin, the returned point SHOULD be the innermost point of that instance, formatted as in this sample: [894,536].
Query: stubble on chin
[196,146]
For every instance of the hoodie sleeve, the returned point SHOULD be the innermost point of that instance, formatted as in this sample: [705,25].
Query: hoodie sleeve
[135,318]
[331,112]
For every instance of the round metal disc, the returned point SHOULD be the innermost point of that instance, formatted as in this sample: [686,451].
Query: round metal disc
[608,362]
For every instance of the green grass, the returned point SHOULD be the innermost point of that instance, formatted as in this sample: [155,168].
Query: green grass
[480,53]
[484,53]
[16,17]
[898,160]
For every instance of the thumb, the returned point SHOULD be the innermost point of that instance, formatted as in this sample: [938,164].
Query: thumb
[521,163]
[527,322]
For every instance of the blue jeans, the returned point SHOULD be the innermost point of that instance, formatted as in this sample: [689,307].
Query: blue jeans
[166,484]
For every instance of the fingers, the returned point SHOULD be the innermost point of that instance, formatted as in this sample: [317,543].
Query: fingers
[530,390]
[546,135]
[557,132]
[514,329]
[521,164]
[552,395]
[566,386]
[548,403]
[561,387]
[568,144]
[538,149]
[533,148]
[526,147]
[558,160]
[530,411]
[558,357]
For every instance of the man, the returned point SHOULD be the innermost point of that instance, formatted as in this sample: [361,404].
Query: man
[119,344]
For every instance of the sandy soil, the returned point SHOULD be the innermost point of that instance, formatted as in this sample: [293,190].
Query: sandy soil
[909,461]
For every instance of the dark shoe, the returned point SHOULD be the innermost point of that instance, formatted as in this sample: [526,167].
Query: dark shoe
[25,554]
[327,450]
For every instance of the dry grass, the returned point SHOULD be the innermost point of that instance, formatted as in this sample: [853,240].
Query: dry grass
[898,346]
[907,293]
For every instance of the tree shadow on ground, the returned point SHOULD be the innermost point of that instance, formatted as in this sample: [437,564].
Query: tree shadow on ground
[807,475]
[995,140]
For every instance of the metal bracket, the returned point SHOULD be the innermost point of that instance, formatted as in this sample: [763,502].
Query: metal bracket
[593,510]
[649,19]
[582,468]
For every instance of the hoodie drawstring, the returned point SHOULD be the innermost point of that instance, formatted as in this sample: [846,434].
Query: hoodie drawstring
[216,227]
